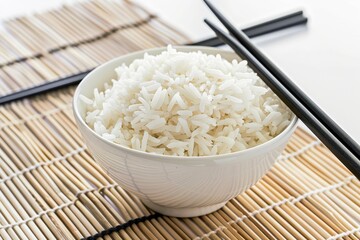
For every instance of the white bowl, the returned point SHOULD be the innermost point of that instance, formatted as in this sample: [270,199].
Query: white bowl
[172,185]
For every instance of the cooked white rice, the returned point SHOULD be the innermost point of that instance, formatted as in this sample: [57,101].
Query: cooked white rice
[186,104]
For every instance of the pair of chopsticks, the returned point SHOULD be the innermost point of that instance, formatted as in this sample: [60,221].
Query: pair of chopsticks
[276,24]
[333,137]
[273,25]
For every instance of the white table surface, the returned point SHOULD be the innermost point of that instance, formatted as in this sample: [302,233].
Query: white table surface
[322,58]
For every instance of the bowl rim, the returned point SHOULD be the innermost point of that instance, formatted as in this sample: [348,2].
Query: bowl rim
[258,148]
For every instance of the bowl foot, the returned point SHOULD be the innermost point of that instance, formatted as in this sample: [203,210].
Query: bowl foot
[183,212]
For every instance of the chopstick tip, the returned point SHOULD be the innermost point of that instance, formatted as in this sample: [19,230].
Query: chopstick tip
[210,5]
[208,22]
[211,25]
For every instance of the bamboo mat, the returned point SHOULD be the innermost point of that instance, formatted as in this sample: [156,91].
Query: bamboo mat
[71,39]
[51,188]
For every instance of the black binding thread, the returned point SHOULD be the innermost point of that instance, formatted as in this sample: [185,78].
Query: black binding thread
[122,226]
[90,40]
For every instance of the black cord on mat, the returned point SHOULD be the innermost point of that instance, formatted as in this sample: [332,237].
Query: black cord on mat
[122,226]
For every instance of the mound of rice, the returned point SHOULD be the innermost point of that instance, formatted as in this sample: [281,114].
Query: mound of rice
[186,104]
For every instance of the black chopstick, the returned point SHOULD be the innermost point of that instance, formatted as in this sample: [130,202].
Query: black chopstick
[273,25]
[49,86]
[334,128]
[334,145]
[276,24]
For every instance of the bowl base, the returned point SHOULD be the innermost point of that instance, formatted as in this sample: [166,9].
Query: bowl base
[183,212]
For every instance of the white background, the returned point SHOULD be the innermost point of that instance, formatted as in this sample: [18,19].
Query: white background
[322,58]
